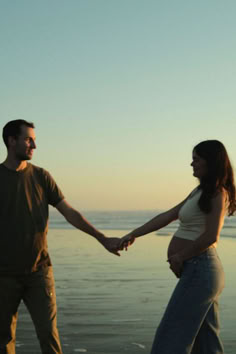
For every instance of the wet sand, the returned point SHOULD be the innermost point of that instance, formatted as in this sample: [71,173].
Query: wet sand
[112,305]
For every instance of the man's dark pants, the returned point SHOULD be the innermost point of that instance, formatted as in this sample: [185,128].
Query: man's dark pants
[37,290]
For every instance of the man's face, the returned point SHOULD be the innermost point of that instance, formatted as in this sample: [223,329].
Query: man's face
[24,145]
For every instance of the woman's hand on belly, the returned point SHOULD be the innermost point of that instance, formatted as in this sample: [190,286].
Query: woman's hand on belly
[176,245]
[176,264]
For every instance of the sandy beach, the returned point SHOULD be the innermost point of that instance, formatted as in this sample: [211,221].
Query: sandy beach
[109,304]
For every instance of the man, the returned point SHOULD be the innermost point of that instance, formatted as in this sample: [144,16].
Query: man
[25,266]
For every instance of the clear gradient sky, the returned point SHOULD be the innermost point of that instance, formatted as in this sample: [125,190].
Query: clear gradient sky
[120,91]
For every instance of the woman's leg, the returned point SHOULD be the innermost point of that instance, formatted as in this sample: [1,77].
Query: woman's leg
[200,284]
[207,340]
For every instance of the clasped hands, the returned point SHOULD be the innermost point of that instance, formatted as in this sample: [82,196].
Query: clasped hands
[116,244]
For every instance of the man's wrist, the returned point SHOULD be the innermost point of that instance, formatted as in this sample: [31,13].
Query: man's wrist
[100,237]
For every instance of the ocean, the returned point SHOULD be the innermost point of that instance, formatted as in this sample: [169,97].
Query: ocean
[129,220]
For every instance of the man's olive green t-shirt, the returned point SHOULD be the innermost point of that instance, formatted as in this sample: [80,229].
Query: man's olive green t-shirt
[24,200]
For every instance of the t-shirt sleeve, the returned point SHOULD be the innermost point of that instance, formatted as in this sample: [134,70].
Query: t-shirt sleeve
[54,193]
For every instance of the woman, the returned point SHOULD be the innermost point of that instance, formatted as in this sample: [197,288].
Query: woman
[190,323]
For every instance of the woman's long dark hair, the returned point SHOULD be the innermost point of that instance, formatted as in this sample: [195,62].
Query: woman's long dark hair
[219,175]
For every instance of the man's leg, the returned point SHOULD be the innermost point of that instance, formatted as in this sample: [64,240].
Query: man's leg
[10,297]
[40,299]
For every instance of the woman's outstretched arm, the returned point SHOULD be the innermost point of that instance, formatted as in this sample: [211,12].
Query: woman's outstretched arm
[154,224]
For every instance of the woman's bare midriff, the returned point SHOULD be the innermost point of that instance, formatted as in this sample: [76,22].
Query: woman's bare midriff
[177,244]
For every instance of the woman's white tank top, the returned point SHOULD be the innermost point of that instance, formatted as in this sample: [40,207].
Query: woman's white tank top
[192,219]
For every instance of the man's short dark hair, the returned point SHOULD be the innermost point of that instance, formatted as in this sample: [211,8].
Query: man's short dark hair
[13,128]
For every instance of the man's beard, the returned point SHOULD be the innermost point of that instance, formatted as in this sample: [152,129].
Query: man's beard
[23,157]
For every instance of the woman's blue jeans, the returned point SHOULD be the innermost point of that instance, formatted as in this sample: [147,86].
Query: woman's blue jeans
[191,321]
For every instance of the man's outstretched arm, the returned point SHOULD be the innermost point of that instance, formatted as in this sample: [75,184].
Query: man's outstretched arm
[76,219]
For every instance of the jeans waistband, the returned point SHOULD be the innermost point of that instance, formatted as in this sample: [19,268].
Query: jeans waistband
[210,252]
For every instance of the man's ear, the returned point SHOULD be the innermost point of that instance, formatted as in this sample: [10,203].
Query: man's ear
[11,141]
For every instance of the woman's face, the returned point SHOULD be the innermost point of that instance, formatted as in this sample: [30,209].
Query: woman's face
[199,166]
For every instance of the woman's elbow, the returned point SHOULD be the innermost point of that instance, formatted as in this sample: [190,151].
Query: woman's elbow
[213,238]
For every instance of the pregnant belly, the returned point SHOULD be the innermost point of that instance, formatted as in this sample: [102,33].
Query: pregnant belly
[177,244]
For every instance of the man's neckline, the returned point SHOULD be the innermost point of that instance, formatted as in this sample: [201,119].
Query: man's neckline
[13,170]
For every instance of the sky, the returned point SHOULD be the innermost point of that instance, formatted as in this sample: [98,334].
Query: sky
[120,92]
